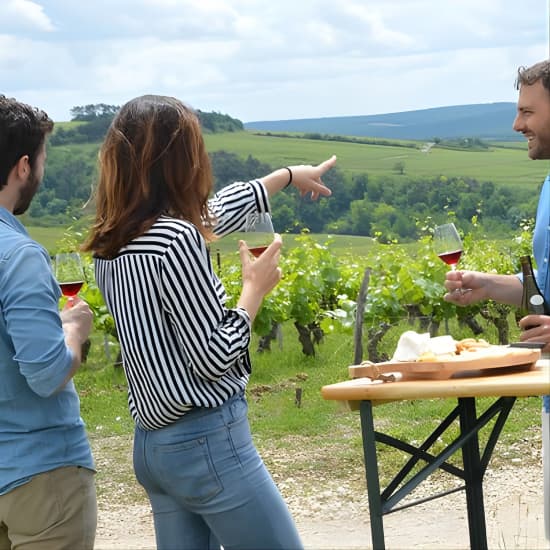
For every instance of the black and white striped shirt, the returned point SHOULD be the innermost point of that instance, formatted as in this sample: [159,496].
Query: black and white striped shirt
[181,347]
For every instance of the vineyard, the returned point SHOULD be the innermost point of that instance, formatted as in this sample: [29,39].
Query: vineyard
[319,293]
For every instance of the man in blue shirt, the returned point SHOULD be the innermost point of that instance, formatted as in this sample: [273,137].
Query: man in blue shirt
[533,121]
[47,491]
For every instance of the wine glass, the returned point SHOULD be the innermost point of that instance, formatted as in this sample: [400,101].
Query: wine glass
[69,274]
[259,232]
[447,244]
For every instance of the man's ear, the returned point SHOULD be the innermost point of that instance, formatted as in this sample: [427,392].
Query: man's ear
[22,167]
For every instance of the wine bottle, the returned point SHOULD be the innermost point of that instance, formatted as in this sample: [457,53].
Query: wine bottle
[532,300]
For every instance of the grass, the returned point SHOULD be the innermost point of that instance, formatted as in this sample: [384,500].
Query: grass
[48,237]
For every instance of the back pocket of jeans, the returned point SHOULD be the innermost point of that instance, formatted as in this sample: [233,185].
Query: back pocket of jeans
[186,470]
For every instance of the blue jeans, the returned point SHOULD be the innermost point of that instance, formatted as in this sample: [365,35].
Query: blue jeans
[209,487]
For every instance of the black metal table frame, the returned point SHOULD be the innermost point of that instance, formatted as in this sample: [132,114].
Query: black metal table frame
[474,464]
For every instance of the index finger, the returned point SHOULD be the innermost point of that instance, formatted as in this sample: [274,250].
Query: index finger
[327,164]
[243,253]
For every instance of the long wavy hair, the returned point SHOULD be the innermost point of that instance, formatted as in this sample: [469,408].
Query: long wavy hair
[153,161]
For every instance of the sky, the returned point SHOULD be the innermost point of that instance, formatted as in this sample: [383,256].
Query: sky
[269,59]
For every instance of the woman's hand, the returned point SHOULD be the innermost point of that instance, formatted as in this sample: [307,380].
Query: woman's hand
[260,275]
[307,179]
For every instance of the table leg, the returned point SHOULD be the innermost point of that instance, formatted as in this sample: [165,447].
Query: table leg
[473,475]
[371,470]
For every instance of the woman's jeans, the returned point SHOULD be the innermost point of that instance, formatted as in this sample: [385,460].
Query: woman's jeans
[209,487]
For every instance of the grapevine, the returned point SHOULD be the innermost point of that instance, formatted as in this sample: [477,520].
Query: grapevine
[318,292]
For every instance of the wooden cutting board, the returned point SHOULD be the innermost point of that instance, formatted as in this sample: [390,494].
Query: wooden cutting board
[474,363]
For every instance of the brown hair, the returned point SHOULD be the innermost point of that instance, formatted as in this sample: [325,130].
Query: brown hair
[530,75]
[23,130]
[153,161]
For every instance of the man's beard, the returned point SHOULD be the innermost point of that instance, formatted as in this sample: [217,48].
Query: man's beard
[541,148]
[27,194]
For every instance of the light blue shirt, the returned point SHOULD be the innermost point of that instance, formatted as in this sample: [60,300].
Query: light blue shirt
[541,250]
[541,240]
[40,428]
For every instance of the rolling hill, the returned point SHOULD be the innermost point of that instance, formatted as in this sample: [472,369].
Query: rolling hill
[490,121]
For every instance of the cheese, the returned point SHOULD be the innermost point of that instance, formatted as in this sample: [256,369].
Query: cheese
[413,346]
[442,345]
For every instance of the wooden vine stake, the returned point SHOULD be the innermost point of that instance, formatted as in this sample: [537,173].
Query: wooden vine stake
[358,332]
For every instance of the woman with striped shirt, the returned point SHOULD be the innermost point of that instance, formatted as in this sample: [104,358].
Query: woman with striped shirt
[185,354]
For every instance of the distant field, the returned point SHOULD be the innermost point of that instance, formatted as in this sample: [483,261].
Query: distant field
[507,164]
[67,125]
[46,236]
[341,245]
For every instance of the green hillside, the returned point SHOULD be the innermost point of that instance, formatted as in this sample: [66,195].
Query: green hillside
[504,162]
[383,188]
[503,165]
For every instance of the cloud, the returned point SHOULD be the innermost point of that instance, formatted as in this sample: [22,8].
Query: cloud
[260,59]
[24,14]
[151,64]
[36,64]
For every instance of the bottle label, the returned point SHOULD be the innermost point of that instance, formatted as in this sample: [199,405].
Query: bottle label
[536,300]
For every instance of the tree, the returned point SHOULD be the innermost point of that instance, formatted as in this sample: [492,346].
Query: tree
[399,167]
[359,186]
[216,122]
[93,111]
[361,217]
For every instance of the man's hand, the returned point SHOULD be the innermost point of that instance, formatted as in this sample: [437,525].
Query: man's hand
[536,328]
[77,320]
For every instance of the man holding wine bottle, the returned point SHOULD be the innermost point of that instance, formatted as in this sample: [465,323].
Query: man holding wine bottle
[47,491]
[533,121]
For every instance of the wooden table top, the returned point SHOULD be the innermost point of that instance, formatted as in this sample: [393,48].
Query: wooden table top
[510,382]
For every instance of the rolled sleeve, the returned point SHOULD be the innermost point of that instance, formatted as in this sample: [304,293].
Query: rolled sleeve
[244,314]
[30,298]
[231,205]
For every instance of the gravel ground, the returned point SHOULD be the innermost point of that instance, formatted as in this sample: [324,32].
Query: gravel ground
[333,513]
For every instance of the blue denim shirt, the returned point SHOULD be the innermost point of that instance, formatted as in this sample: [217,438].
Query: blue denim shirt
[40,428]
[541,250]
[541,240]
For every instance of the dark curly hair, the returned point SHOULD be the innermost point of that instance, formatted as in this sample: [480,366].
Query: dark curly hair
[23,130]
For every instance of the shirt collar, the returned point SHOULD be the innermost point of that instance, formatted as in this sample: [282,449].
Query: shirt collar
[9,219]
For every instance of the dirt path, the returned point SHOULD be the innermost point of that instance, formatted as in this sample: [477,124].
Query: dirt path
[333,514]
